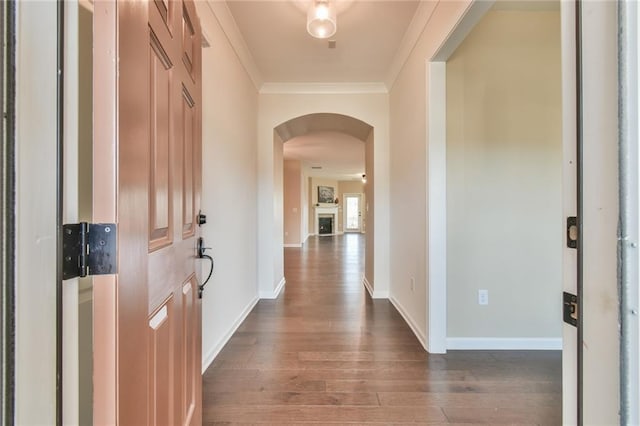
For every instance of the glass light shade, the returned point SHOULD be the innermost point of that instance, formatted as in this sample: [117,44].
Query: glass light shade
[321,19]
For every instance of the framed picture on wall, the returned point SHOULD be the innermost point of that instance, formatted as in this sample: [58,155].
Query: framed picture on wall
[325,194]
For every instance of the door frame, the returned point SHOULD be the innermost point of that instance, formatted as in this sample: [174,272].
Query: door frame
[437,182]
[8,211]
[437,178]
[104,206]
[629,18]
[344,213]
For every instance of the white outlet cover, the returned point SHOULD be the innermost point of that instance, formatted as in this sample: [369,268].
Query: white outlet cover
[483,297]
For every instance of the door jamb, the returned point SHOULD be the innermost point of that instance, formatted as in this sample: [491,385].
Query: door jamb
[60,10]
[7,210]
[629,17]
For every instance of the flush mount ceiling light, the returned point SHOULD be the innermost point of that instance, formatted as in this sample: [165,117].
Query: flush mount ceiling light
[321,19]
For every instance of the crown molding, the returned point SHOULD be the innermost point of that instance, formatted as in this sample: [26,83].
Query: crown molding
[322,88]
[410,39]
[221,12]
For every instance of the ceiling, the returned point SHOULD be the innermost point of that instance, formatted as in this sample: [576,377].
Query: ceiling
[369,35]
[340,155]
[272,41]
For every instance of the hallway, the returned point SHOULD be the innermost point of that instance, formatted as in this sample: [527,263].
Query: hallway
[325,353]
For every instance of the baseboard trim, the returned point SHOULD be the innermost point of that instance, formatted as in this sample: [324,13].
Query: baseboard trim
[410,322]
[275,293]
[372,292]
[507,344]
[292,245]
[213,353]
[367,285]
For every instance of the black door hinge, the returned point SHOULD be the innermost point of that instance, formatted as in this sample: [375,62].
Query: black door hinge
[570,308]
[88,249]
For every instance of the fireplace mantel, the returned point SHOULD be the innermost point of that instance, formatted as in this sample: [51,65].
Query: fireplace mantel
[331,209]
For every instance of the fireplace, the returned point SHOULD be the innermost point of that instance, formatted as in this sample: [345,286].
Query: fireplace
[325,224]
[326,220]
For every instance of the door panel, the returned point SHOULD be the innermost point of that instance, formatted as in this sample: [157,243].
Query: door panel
[189,40]
[190,359]
[155,347]
[161,365]
[188,195]
[160,207]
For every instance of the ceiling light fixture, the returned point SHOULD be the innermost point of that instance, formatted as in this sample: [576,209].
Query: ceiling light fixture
[321,19]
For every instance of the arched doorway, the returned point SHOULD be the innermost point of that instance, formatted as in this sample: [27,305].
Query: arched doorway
[317,124]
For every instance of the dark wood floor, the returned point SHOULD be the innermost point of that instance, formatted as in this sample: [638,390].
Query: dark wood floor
[325,353]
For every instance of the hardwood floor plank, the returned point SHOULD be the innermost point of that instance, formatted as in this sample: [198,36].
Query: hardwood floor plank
[291,398]
[324,353]
[329,414]
[490,400]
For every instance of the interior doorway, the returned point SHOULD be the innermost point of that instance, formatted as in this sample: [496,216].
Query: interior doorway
[482,126]
[352,212]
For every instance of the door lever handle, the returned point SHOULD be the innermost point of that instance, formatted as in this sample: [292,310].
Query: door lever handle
[201,251]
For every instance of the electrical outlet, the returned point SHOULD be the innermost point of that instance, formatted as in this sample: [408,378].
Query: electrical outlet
[413,284]
[483,297]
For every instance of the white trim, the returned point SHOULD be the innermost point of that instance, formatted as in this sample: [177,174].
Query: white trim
[275,293]
[215,350]
[367,285]
[326,210]
[437,201]
[374,294]
[322,88]
[221,12]
[437,177]
[505,343]
[411,323]
[293,245]
[469,20]
[411,36]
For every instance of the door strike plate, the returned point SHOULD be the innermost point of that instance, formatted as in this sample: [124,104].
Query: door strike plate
[572,232]
[570,308]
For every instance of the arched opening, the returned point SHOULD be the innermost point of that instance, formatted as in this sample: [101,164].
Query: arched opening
[337,140]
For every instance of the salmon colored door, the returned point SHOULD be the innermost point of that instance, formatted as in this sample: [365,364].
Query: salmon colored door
[147,179]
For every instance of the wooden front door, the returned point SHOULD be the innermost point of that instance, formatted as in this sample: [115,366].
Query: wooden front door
[147,179]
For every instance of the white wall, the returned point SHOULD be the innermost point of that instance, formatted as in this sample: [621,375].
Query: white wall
[504,179]
[304,203]
[36,215]
[229,187]
[277,219]
[292,188]
[275,109]
[408,169]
